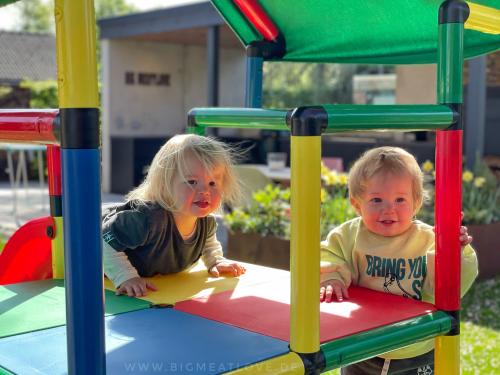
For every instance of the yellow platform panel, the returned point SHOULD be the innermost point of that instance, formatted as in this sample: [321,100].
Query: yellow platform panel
[196,283]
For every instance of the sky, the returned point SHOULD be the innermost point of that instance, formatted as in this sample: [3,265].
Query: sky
[9,16]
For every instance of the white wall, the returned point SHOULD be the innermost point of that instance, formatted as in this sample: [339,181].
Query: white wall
[231,77]
[136,110]
[416,84]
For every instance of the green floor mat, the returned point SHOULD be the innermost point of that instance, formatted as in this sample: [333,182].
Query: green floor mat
[36,305]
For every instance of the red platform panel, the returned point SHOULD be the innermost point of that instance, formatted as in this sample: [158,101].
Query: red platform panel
[265,309]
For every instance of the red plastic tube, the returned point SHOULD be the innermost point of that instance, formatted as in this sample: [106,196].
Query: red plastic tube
[258,18]
[447,213]
[28,126]
[54,170]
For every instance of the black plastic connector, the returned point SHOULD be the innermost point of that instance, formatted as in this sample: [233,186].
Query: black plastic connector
[453,11]
[266,49]
[455,323]
[162,306]
[314,363]
[458,118]
[307,121]
[191,121]
[50,232]
[56,127]
[80,128]
[55,205]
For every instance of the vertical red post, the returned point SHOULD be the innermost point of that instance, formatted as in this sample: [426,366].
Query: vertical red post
[448,218]
[54,170]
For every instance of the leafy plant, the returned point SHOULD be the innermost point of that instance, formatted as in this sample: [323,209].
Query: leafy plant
[480,195]
[335,205]
[269,212]
[43,93]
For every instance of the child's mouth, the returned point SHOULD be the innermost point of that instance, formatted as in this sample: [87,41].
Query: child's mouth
[202,204]
[387,222]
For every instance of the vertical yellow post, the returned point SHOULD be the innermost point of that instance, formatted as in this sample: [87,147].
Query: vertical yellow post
[76,54]
[305,239]
[447,355]
[58,250]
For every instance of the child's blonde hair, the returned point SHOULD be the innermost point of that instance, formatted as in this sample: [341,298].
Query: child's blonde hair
[382,160]
[170,161]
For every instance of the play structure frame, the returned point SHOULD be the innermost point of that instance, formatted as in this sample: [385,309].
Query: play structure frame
[75,187]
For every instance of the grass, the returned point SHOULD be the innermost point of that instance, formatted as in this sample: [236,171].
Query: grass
[479,330]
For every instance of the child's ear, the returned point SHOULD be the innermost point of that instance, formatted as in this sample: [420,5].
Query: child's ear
[355,204]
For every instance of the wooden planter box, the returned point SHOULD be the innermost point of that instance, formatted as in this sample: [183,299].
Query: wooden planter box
[486,242]
[253,248]
[275,252]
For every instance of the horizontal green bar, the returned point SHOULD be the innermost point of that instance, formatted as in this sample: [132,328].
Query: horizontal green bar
[387,117]
[368,344]
[241,118]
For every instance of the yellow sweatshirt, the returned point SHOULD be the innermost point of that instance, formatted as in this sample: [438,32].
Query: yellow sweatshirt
[402,265]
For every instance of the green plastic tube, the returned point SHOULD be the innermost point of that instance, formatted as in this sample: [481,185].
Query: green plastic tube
[368,344]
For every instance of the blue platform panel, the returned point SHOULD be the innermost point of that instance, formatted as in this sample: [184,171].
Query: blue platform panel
[148,341]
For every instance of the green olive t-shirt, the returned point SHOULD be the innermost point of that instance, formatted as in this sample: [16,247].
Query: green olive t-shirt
[147,234]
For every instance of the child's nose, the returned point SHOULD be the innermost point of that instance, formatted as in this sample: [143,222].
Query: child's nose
[202,187]
[389,206]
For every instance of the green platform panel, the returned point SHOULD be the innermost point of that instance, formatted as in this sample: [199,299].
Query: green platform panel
[347,31]
[35,305]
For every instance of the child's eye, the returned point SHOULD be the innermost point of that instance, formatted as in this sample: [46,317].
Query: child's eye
[191,182]
[400,200]
[376,200]
[212,183]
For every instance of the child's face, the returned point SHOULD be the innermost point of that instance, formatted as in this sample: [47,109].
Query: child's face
[387,205]
[199,194]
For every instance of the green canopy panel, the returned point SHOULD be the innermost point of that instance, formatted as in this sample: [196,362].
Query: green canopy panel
[350,31]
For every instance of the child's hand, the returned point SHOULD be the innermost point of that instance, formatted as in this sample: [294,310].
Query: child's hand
[135,287]
[331,288]
[465,239]
[225,267]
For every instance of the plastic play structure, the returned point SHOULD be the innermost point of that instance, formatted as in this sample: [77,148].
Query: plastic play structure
[54,319]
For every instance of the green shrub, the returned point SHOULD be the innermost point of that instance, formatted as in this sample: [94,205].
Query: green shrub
[480,195]
[269,212]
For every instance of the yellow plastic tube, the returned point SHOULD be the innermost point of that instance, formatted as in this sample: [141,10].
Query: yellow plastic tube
[447,355]
[305,239]
[483,18]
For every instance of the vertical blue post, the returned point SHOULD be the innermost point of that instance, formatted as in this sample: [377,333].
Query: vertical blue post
[83,261]
[253,78]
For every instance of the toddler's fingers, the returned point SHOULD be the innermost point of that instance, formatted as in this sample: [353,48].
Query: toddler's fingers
[338,293]
[345,291]
[137,291]
[465,240]
[214,271]
[151,286]
[329,293]
[240,269]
